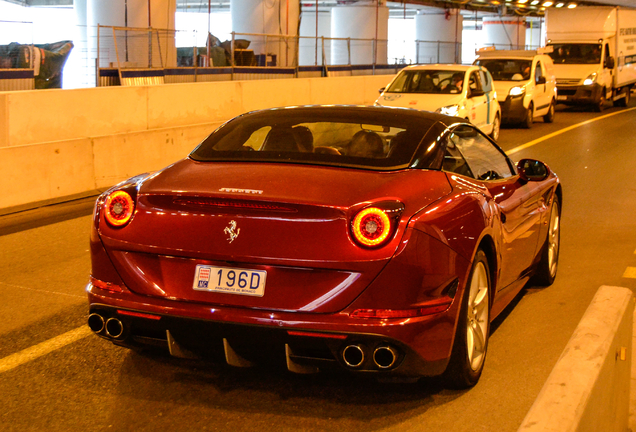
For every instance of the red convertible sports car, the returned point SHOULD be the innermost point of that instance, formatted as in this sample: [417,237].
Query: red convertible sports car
[379,240]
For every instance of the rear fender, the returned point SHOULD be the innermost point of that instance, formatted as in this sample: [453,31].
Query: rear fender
[423,271]
[102,267]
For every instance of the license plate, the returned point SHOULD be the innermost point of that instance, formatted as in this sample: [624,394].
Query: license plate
[229,280]
[562,98]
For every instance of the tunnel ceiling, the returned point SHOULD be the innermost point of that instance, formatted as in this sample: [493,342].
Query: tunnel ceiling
[407,8]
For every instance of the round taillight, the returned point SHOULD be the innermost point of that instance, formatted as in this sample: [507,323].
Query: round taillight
[119,207]
[371,227]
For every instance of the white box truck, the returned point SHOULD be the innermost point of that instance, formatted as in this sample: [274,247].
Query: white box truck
[594,54]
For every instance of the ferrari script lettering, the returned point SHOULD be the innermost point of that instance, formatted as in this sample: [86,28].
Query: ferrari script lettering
[247,191]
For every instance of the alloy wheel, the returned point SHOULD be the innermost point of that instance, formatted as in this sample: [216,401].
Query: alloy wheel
[553,240]
[477,322]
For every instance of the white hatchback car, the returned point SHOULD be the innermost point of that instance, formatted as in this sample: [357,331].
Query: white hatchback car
[525,84]
[456,90]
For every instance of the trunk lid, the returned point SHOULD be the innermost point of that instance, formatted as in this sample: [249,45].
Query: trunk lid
[288,220]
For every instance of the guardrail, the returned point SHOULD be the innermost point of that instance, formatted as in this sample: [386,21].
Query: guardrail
[127,77]
[589,387]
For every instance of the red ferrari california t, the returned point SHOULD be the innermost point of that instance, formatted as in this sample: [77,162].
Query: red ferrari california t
[379,240]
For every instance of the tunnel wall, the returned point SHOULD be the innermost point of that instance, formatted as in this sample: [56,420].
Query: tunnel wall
[58,144]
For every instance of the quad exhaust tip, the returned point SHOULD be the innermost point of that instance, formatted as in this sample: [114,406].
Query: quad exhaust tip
[114,328]
[353,356]
[385,357]
[96,322]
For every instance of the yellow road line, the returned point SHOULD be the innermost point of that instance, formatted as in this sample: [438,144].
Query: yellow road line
[630,272]
[41,349]
[564,130]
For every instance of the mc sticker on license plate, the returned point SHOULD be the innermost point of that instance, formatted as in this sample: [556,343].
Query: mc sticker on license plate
[229,280]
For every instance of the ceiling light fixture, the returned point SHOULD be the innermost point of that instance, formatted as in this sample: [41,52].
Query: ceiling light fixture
[547,4]
[571,5]
[534,2]
[560,5]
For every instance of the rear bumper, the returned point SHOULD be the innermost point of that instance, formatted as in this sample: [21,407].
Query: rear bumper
[305,341]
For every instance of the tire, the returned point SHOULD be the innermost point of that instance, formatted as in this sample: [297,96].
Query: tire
[600,105]
[547,267]
[473,328]
[496,127]
[527,122]
[624,101]
[549,117]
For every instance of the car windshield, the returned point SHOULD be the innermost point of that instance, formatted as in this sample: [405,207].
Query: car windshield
[427,81]
[322,137]
[506,69]
[576,53]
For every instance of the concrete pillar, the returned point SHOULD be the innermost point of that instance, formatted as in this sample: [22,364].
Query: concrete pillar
[534,33]
[505,32]
[134,48]
[269,17]
[310,53]
[83,63]
[364,20]
[439,36]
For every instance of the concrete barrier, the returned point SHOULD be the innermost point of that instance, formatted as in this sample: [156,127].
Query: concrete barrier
[589,388]
[56,144]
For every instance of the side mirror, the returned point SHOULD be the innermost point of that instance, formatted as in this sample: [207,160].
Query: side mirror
[541,80]
[532,170]
[476,93]
[610,63]
[381,90]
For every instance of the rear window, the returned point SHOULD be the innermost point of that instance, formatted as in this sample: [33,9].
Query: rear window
[311,137]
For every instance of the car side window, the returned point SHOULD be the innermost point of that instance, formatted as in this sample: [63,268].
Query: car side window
[485,81]
[454,160]
[537,72]
[473,82]
[484,159]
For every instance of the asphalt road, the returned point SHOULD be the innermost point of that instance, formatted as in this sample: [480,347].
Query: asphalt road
[56,377]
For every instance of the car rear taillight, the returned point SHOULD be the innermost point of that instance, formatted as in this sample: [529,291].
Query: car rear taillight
[371,227]
[118,208]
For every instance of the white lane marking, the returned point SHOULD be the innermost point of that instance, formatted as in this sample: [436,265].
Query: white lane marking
[41,349]
[564,130]
[630,273]
[42,291]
